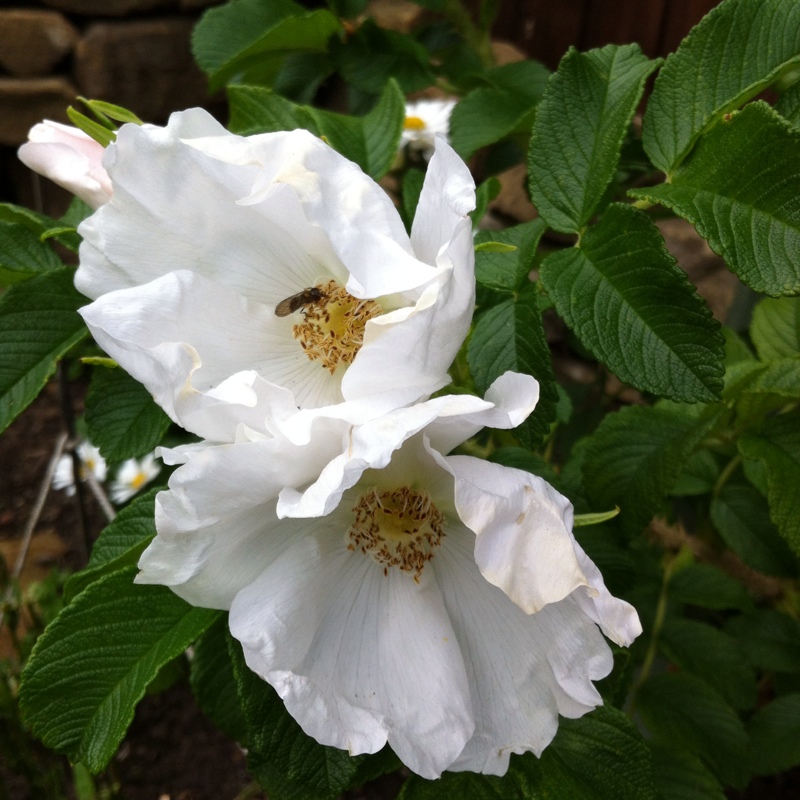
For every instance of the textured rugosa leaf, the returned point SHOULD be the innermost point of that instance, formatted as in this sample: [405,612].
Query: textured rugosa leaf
[600,756]
[777,446]
[739,189]
[775,330]
[510,336]
[774,732]
[39,323]
[23,254]
[634,458]
[121,416]
[119,545]
[247,34]
[579,129]
[490,113]
[93,663]
[687,714]
[635,309]
[735,52]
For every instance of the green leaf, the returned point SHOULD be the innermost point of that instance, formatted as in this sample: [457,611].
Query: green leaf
[777,446]
[250,38]
[634,458]
[412,188]
[698,476]
[92,665]
[484,194]
[776,328]
[119,545]
[22,254]
[504,272]
[681,776]
[213,681]
[708,587]
[635,309]
[770,639]
[371,141]
[685,713]
[736,51]
[490,113]
[775,736]
[39,323]
[600,755]
[714,656]
[788,105]
[739,189]
[741,516]
[372,55]
[255,109]
[579,129]
[510,336]
[521,780]
[122,418]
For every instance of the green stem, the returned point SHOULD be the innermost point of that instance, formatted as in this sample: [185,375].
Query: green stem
[652,647]
[726,473]
[475,37]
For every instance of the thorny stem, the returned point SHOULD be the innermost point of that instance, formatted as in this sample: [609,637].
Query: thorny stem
[69,421]
[652,647]
[27,534]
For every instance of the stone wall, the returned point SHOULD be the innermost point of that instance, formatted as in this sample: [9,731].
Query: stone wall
[135,53]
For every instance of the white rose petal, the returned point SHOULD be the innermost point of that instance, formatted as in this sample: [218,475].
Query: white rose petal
[206,236]
[394,603]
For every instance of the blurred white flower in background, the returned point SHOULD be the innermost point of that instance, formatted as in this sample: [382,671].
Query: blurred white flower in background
[424,119]
[91,461]
[132,476]
[245,272]
[396,594]
[70,158]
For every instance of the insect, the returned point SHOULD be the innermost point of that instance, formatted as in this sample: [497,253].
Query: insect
[297,301]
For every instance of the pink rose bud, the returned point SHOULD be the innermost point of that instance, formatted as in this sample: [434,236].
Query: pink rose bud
[70,158]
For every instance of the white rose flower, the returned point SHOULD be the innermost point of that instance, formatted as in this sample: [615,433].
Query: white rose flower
[70,158]
[231,269]
[132,476]
[91,462]
[438,603]
[424,120]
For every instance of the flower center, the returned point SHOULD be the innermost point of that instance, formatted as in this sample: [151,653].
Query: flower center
[398,528]
[414,124]
[332,330]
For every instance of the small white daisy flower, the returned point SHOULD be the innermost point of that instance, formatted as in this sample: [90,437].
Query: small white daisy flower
[424,119]
[132,476]
[91,461]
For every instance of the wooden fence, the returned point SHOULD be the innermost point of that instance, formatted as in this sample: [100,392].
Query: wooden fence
[545,29]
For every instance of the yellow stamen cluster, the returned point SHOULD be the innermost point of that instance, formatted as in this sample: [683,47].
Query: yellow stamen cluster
[398,528]
[332,330]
